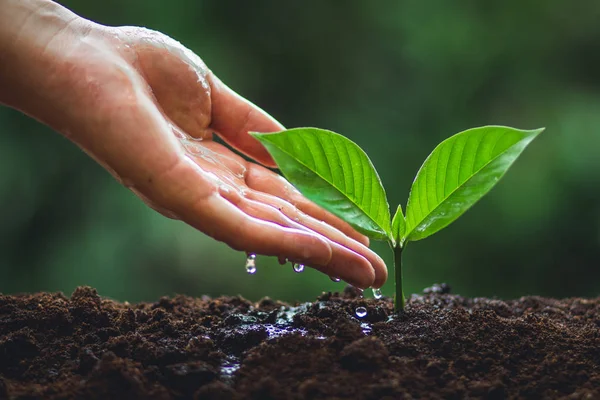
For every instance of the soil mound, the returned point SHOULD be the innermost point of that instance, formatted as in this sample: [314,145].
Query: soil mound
[442,346]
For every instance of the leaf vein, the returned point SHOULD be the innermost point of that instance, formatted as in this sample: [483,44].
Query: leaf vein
[460,186]
[344,194]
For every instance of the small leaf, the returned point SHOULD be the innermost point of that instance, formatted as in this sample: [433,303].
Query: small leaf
[335,173]
[398,226]
[459,171]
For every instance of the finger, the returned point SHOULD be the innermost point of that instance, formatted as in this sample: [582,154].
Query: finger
[345,263]
[193,98]
[300,219]
[222,220]
[196,197]
[263,180]
[216,213]
[233,117]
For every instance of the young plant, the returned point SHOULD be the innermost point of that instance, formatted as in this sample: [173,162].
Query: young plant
[336,174]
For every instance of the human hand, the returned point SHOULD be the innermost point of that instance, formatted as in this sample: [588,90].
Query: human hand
[146,107]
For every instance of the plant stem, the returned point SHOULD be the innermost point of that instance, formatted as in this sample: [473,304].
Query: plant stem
[399,298]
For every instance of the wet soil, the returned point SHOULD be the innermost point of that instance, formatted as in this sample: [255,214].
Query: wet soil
[442,346]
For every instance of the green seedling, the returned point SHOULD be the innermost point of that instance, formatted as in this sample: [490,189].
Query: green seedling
[336,174]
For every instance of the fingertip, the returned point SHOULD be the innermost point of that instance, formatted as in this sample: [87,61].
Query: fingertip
[378,283]
[381,272]
[351,267]
[363,280]
[362,239]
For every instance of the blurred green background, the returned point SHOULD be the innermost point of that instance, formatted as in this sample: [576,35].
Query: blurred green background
[397,77]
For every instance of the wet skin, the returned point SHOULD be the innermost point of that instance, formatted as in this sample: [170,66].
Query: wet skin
[146,108]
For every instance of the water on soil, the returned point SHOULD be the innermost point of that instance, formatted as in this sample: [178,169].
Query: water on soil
[442,346]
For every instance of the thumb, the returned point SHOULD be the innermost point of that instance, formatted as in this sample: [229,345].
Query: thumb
[177,79]
[233,117]
[194,99]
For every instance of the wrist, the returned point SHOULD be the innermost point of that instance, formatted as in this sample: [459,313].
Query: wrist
[34,36]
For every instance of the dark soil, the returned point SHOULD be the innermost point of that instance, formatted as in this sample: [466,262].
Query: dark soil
[442,346]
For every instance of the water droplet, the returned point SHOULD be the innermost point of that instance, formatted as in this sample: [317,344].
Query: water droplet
[298,267]
[377,294]
[356,291]
[335,278]
[360,312]
[282,260]
[251,264]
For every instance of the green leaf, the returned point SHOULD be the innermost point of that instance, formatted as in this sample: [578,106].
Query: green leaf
[398,226]
[458,173]
[335,173]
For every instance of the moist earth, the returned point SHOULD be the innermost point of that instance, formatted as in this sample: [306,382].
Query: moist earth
[441,346]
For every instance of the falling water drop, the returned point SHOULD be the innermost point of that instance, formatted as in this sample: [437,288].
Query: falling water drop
[298,267]
[357,291]
[377,294]
[251,264]
[335,278]
[360,312]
